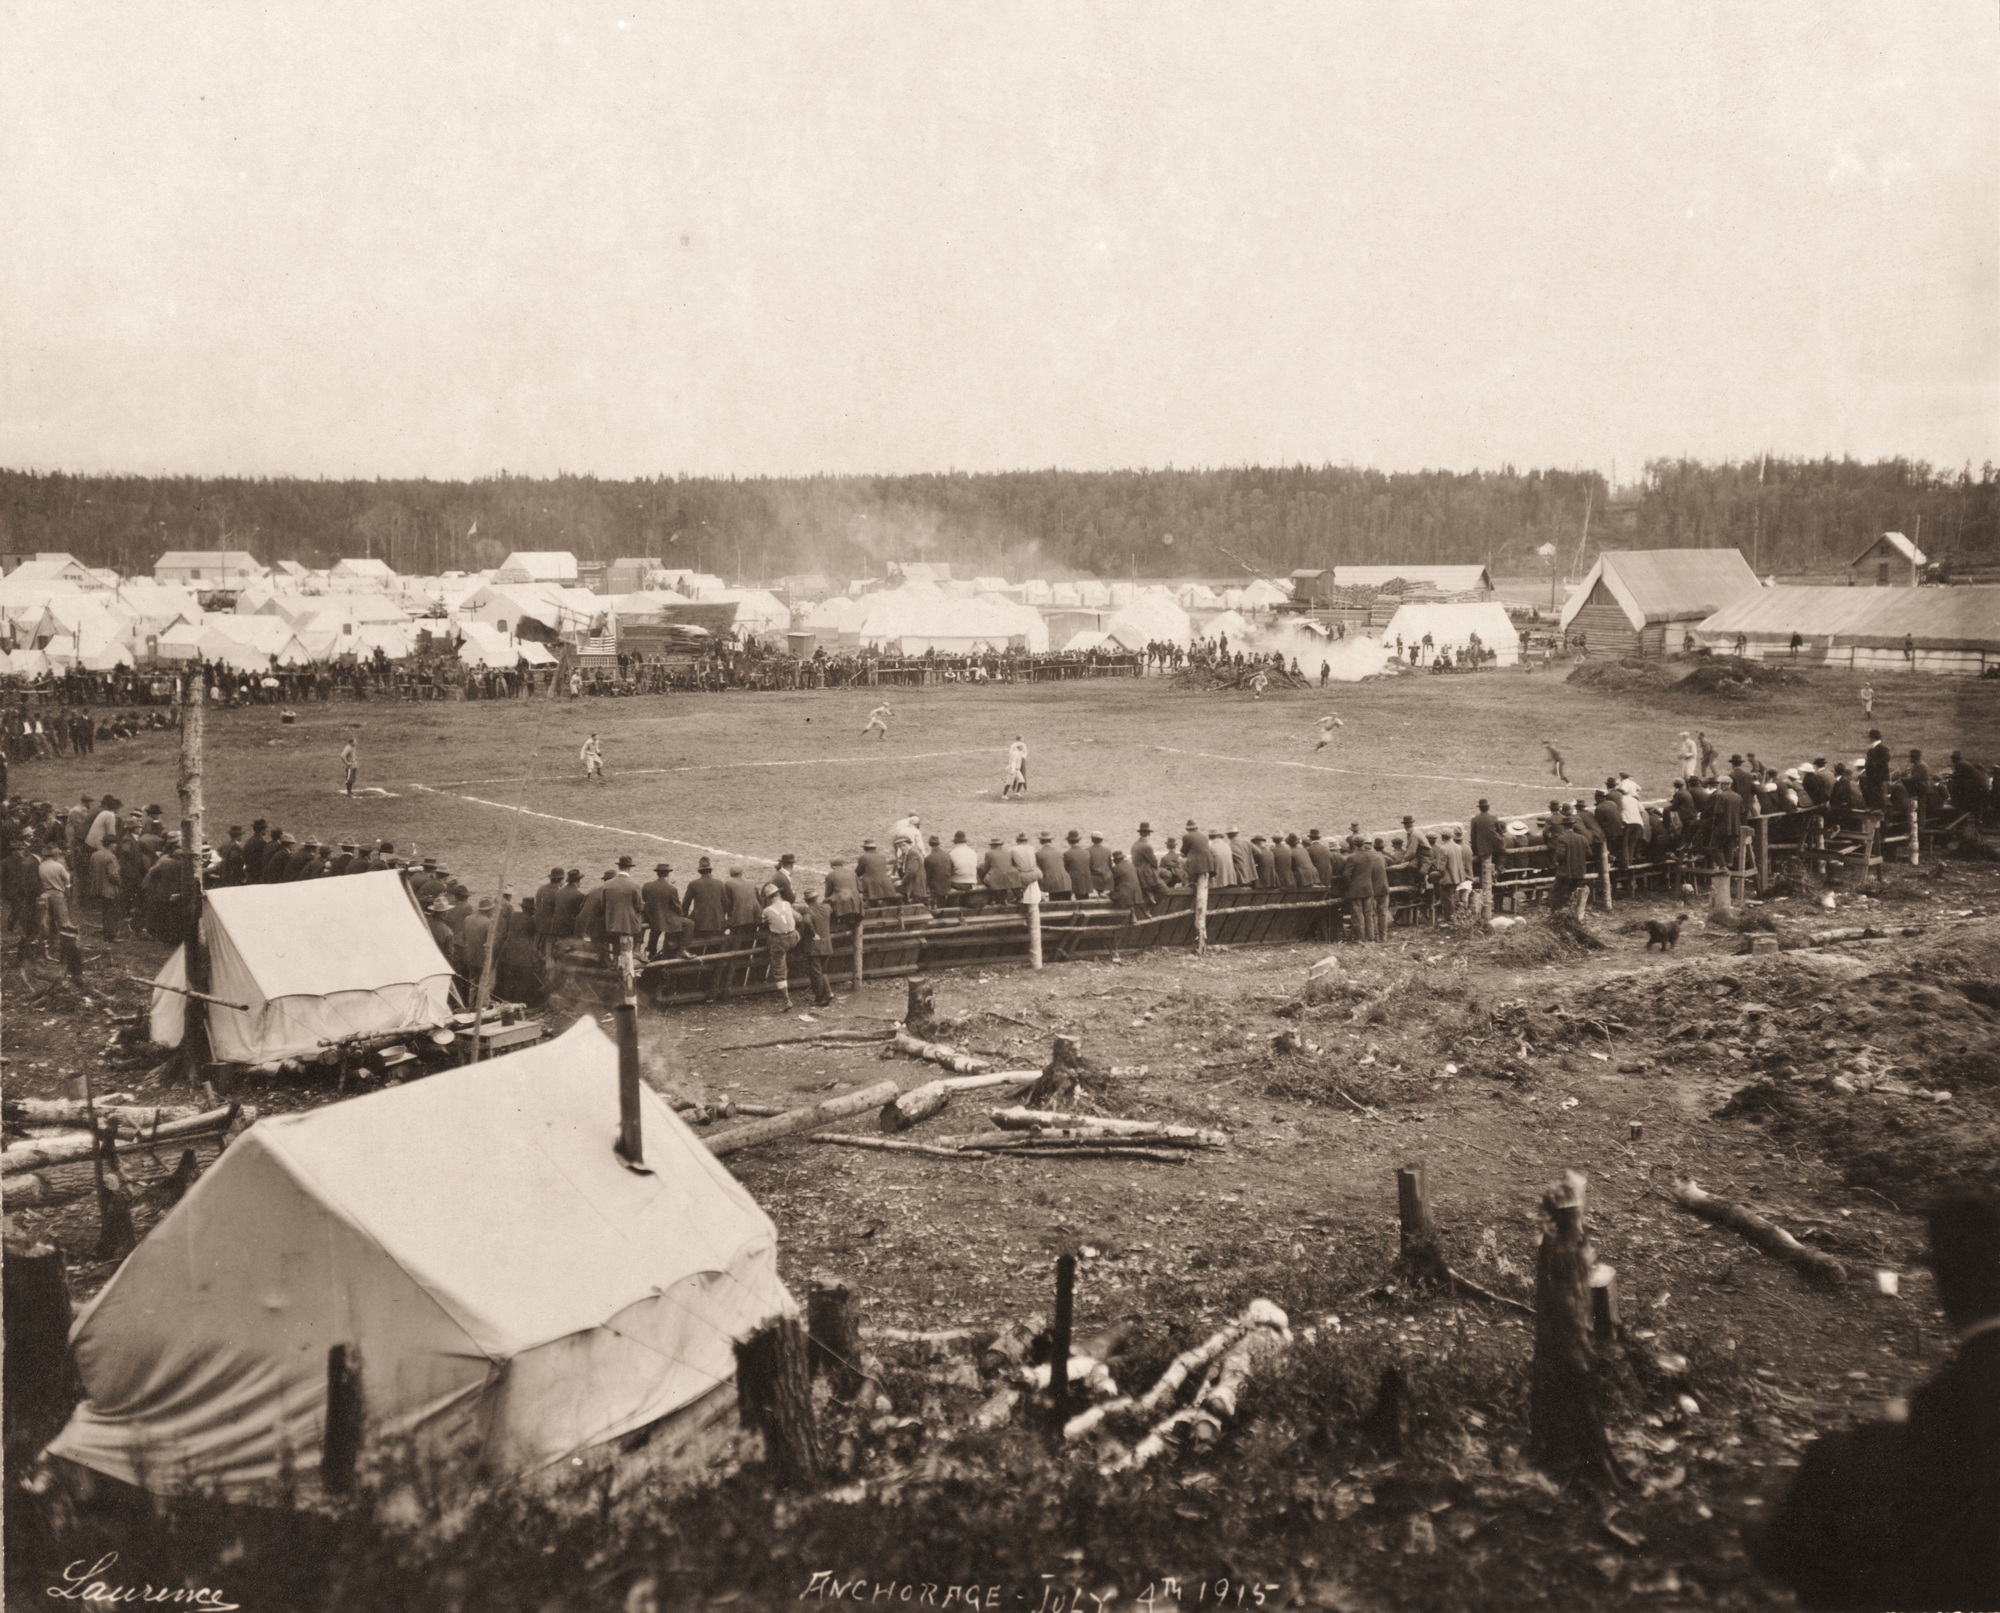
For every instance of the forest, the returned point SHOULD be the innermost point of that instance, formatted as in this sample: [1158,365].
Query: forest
[1791,517]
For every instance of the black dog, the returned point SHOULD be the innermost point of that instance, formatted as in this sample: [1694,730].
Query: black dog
[1664,936]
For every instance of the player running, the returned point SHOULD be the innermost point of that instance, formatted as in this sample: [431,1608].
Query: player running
[350,767]
[592,757]
[1327,724]
[1017,770]
[878,718]
[1258,684]
[1555,761]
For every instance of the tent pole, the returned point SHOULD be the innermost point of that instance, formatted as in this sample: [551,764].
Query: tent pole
[195,1045]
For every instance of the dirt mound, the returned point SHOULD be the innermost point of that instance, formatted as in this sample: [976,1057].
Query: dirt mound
[1733,679]
[1622,677]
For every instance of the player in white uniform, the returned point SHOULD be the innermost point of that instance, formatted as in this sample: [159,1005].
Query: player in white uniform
[1017,769]
[1555,761]
[1258,684]
[878,718]
[1327,724]
[350,767]
[592,756]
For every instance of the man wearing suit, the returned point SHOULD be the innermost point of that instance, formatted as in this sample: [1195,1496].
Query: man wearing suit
[1725,820]
[871,870]
[1146,866]
[937,870]
[1124,890]
[745,911]
[1027,866]
[1488,841]
[707,900]
[1320,854]
[1239,849]
[568,905]
[624,911]
[815,943]
[662,904]
[781,876]
[1378,891]
[546,900]
[1875,771]
[1264,861]
[1221,860]
[1055,878]
[1194,852]
[1357,889]
[914,879]
[1100,865]
[1076,863]
[253,853]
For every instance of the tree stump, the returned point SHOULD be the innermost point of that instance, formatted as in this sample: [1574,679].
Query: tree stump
[1419,1258]
[1387,1423]
[1606,1322]
[170,1190]
[919,1016]
[41,1379]
[774,1386]
[1059,1076]
[834,1334]
[340,1443]
[1566,1429]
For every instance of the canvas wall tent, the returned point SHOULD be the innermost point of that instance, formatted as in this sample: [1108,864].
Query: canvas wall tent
[1198,596]
[1088,639]
[515,1294]
[922,617]
[1452,626]
[1230,622]
[1152,618]
[1953,630]
[1263,594]
[1640,602]
[314,961]
[538,565]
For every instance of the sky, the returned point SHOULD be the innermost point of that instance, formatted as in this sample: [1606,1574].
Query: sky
[735,238]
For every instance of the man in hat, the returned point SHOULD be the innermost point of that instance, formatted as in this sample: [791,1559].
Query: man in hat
[937,870]
[1741,780]
[707,901]
[1968,787]
[1194,852]
[342,862]
[568,905]
[1239,849]
[1571,891]
[1357,888]
[996,874]
[426,884]
[1125,890]
[1263,862]
[913,879]
[105,884]
[624,912]
[843,889]
[590,918]
[228,860]
[781,876]
[447,943]
[964,868]
[1875,771]
[1027,866]
[781,934]
[592,757]
[253,853]
[745,911]
[871,868]
[1076,864]
[302,859]
[665,918]
[1100,864]
[816,944]
[1050,870]
[473,938]
[1146,866]
[1319,852]
[547,899]
[1687,755]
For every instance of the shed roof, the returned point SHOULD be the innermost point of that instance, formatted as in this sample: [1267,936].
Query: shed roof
[1895,540]
[1936,618]
[1666,585]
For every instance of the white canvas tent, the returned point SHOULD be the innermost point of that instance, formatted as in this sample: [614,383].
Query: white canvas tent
[516,1294]
[316,960]
[1452,626]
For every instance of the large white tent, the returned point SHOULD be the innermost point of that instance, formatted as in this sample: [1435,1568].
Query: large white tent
[921,616]
[314,961]
[515,1294]
[1452,626]
[1153,617]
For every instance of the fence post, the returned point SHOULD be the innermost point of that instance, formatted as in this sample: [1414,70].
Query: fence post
[1604,862]
[860,974]
[1915,832]
[1200,913]
[1031,899]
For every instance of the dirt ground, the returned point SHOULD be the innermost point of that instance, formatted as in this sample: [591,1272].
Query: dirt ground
[1802,1083]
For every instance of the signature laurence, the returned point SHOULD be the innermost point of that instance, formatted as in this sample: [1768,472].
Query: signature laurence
[88,1584]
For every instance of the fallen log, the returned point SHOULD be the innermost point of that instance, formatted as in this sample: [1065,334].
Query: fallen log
[1083,1137]
[1859,932]
[942,1338]
[1218,1404]
[188,991]
[991,1078]
[1773,1240]
[835,1038]
[1020,1119]
[18,1192]
[938,1053]
[76,1112]
[905,1110]
[892,1145]
[794,1121]
[33,1156]
[1260,1312]
[1159,1156]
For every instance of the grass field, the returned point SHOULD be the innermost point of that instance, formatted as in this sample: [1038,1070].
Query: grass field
[751,775]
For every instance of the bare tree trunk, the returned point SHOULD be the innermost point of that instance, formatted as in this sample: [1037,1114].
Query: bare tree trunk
[41,1379]
[1566,1429]
[775,1389]
[340,1443]
[1419,1258]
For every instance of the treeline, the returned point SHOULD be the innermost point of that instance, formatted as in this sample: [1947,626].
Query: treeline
[1794,516]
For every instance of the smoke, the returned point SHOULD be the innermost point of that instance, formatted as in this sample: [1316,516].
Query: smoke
[1349,659]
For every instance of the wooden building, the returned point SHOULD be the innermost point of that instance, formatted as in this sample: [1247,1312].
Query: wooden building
[1640,602]
[1891,561]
